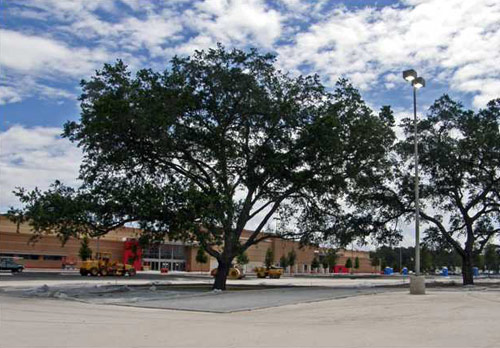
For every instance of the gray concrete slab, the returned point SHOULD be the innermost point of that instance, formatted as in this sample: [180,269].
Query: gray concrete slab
[237,301]
[195,297]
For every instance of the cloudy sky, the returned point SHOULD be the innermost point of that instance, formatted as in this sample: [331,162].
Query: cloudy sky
[47,46]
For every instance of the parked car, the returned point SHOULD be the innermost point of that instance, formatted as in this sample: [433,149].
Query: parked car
[10,265]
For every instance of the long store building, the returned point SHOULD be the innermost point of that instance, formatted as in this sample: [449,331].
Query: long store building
[48,252]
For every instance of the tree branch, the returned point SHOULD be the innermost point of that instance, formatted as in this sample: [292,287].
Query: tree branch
[445,233]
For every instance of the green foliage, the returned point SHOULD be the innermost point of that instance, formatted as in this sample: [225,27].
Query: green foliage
[436,256]
[460,180]
[348,263]
[134,256]
[201,256]
[426,264]
[356,263]
[323,262]
[85,252]
[284,261]
[315,263]
[330,258]
[292,257]
[383,265]
[173,151]
[492,258]
[242,259]
[478,261]
[374,259]
[269,258]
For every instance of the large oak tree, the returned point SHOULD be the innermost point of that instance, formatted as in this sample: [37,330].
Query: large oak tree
[217,140]
[459,164]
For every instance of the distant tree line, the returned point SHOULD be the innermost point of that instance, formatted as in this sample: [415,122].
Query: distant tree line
[433,258]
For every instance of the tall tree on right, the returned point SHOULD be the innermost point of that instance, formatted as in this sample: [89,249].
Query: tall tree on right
[459,164]
[491,258]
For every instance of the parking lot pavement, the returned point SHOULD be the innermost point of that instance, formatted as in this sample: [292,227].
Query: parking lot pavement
[194,296]
[40,278]
[237,301]
[389,319]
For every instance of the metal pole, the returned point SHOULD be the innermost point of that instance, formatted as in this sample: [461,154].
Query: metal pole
[159,257]
[400,260]
[417,206]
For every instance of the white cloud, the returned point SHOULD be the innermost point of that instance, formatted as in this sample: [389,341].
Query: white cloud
[34,157]
[16,87]
[40,56]
[9,95]
[453,43]
[238,21]
[60,10]
[445,40]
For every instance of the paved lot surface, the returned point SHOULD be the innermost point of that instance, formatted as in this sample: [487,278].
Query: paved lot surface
[194,297]
[244,300]
[393,319]
[55,278]
[32,279]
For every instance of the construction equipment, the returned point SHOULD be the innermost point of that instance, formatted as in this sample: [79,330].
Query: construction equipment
[271,272]
[234,273]
[102,265]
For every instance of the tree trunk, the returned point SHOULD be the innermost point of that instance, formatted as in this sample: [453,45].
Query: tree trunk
[467,273]
[221,276]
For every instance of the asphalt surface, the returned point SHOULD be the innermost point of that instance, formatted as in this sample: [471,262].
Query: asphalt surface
[187,291]
[75,276]
[247,300]
[192,292]
[194,297]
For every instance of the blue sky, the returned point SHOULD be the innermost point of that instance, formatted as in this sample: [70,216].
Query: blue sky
[48,46]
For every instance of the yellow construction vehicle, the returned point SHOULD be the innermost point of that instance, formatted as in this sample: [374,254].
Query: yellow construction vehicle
[102,265]
[271,272]
[234,273]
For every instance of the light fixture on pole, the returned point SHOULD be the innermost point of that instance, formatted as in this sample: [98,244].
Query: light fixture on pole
[417,283]
[409,75]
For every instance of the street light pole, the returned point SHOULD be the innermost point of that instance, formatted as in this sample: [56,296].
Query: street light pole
[417,283]
[417,204]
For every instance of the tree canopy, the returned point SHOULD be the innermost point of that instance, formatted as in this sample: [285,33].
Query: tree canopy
[269,258]
[348,263]
[459,161]
[284,261]
[201,256]
[218,139]
[292,257]
[492,258]
[329,260]
[85,252]
[242,259]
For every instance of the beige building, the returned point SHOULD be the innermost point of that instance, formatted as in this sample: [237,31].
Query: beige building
[48,252]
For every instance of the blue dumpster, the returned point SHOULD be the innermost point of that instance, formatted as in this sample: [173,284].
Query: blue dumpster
[475,271]
[388,271]
[444,271]
[404,271]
